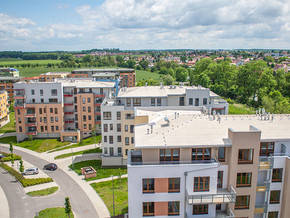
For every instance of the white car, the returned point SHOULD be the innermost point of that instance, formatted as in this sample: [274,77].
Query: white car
[31,171]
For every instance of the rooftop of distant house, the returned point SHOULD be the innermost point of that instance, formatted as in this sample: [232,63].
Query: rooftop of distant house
[54,73]
[104,70]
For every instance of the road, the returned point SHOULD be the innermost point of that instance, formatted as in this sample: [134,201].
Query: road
[81,204]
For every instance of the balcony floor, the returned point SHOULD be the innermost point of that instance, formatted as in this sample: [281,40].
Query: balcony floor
[222,196]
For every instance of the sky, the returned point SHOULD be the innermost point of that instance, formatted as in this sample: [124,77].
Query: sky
[72,25]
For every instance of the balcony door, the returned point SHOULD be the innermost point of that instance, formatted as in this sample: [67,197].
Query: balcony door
[169,155]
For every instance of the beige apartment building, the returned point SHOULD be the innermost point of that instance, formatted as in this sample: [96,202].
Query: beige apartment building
[4,109]
[190,164]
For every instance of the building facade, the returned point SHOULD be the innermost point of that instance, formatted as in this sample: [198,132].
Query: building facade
[4,109]
[190,164]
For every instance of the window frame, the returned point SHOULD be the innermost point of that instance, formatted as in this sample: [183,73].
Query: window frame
[242,202]
[243,160]
[107,115]
[244,178]
[276,174]
[224,154]
[136,102]
[146,187]
[174,182]
[200,209]
[172,206]
[147,212]
[276,194]
[265,151]
[220,184]
[201,185]
[203,154]
[162,158]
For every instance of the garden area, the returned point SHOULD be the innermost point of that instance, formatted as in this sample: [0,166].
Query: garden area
[9,127]
[89,151]
[97,165]
[58,212]
[105,191]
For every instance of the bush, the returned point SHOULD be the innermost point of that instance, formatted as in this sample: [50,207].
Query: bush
[8,157]
[25,182]
[230,101]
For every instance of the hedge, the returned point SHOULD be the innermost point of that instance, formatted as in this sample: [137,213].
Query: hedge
[8,157]
[25,182]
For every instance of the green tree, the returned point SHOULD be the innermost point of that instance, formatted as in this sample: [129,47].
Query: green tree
[30,137]
[167,79]
[21,167]
[11,148]
[87,58]
[203,80]
[12,159]
[144,64]
[131,63]
[181,74]
[67,207]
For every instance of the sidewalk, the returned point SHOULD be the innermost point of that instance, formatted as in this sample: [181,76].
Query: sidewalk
[108,179]
[4,206]
[2,135]
[40,187]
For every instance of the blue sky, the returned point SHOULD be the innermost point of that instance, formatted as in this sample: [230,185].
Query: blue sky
[47,25]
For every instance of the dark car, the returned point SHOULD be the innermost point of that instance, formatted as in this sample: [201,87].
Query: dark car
[50,166]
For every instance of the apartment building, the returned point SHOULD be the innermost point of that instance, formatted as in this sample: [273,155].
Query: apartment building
[4,109]
[68,109]
[191,164]
[8,76]
[51,76]
[119,139]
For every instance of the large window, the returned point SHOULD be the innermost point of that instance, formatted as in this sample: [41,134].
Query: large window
[111,140]
[169,155]
[174,185]
[277,175]
[128,102]
[148,208]
[152,101]
[118,127]
[131,128]
[244,179]
[118,115]
[201,154]
[242,202]
[220,179]
[267,148]
[54,92]
[148,185]
[221,154]
[173,208]
[105,127]
[136,102]
[200,209]
[275,197]
[190,101]
[158,101]
[201,184]
[246,156]
[273,214]
[107,115]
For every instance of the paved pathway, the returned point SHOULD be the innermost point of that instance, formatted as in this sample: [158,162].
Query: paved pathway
[108,179]
[84,200]
[2,135]
[4,206]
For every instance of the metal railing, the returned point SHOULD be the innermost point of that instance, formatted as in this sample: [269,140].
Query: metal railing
[264,207]
[158,162]
[266,162]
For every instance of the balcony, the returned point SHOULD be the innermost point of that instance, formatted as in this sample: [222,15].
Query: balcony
[69,112]
[225,214]
[222,196]
[99,95]
[266,163]
[31,133]
[261,208]
[30,115]
[67,94]
[264,186]
[19,105]
[68,103]
[31,123]
[69,121]
[19,97]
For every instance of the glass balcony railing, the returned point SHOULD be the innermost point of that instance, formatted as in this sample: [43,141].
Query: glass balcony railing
[266,163]
[263,186]
[261,208]
[222,196]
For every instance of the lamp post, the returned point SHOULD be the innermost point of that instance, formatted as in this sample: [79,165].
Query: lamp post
[72,156]
[113,196]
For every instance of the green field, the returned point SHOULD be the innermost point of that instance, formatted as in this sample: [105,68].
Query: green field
[240,109]
[143,75]
[9,127]
[10,62]
[30,72]
[105,191]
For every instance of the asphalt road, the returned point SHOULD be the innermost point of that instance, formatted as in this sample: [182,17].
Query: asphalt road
[81,204]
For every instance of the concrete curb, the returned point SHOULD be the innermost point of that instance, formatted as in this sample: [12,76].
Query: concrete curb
[4,206]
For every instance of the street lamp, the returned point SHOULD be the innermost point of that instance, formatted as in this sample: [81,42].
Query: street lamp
[72,154]
[113,196]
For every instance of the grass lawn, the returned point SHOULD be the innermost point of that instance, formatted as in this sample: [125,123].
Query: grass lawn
[30,72]
[9,127]
[240,109]
[53,212]
[97,165]
[43,192]
[95,150]
[105,191]
[87,141]
[8,62]
[38,145]
[143,75]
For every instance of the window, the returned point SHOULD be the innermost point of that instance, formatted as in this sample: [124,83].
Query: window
[132,140]
[129,116]
[169,155]
[54,92]
[42,100]
[51,110]
[84,108]
[136,102]
[246,156]
[44,110]
[148,186]
[107,115]
[44,119]
[84,118]
[56,128]
[273,214]
[196,101]
[181,101]
[221,154]
[111,126]
[128,102]
[56,119]
[118,127]
[201,184]
[41,129]
[244,179]
[51,119]
[52,100]
[89,100]
[275,197]
[89,117]
[119,150]
[41,92]
[32,92]
[55,110]
[20,128]
[105,139]
[200,209]
[126,140]
[19,120]
[152,101]
[277,175]
[45,128]
[52,128]
[173,208]
[220,179]
[119,138]
[111,141]
[148,208]
[101,91]
[126,152]
[158,101]
[118,115]
[89,109]
[190,101]
[131,128]
[242,202]
[85,126]
[204,101]
[267,148]
[126,128]
[174,185]
[111,151]
[201,154]
[84,100]
[106,150]
[40,119]
[18,111]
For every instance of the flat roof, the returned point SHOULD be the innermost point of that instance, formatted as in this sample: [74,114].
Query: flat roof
[105,70]
[192,129]
[103,74]
[54,73]
[88,84]
[155,91]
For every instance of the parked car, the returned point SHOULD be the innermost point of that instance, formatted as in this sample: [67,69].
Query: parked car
[50,166]
[31,171]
